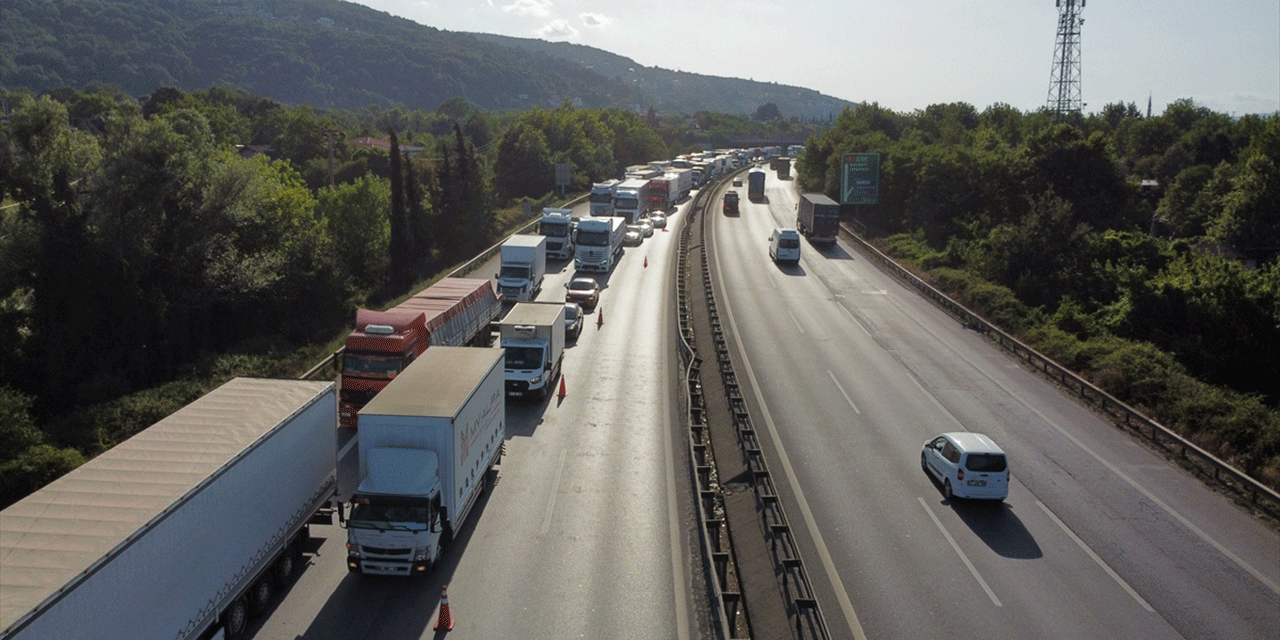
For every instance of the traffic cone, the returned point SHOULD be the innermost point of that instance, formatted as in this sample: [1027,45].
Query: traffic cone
[445,621]
[600,317]
[646,262]
[561,394]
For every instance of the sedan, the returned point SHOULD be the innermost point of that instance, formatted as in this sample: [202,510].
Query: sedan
[646,227]
[584,291]
[658,220]
[737,182]
[633,236]
[572,320]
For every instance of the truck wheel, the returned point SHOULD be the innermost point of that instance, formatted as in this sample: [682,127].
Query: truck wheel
[260,596]
[236,618]
[286,564]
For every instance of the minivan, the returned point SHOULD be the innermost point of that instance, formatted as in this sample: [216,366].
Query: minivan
[784,245]
[969,465]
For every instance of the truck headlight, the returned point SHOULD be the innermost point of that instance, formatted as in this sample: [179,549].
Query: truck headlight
[421,554]
[535,380]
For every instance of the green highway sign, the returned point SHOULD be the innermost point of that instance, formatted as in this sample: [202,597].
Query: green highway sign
[860,181]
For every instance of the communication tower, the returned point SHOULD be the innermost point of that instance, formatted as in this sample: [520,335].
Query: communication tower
[1064,79]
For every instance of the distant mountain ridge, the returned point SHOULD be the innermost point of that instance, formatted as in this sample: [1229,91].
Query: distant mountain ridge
[330,53]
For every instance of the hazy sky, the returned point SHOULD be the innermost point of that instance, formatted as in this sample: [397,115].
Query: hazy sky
[908,54]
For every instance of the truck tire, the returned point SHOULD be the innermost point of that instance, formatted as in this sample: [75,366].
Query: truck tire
[286,565]
[260,596]
[236,618]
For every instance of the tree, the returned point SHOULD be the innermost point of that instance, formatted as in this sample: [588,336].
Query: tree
[523,167]
[358,222]
[768,112]
[1250,220]
[400,263]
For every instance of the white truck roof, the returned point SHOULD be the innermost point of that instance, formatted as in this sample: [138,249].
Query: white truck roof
[420,390]
[84,518]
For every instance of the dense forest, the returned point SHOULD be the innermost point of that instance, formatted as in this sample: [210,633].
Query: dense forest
[150,249]
[1139,251]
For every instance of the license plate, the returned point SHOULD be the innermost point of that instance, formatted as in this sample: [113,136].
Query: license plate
[513,393]
[977,483]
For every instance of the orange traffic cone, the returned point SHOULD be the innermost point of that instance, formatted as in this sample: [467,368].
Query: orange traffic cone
[561,394]
[600,317]
[646,262]
[445,621]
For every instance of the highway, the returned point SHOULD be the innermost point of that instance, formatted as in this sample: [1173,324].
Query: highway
[587,531]
[849,373]
[590,531]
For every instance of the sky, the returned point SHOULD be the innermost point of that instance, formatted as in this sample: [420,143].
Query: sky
[909,54]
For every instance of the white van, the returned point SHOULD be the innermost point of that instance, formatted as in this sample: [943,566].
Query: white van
[969,465]
[784,245]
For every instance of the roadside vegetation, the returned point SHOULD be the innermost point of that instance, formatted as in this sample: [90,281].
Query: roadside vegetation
[152,249]
[1141,252]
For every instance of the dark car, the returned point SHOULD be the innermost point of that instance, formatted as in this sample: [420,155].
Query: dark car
[584,291]
[572,320]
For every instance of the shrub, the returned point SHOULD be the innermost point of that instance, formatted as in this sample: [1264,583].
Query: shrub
[34,468]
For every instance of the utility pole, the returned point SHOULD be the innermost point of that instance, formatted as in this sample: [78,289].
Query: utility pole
[1064,79]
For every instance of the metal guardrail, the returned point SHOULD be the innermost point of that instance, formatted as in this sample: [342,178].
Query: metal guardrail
[1160,435]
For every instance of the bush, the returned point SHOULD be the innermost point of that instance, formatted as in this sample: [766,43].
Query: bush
[36,467]
[994,302]
[1137,373]
[18,431]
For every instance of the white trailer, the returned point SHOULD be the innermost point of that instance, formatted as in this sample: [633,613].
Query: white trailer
[428,444]
[532,334]
[182,531]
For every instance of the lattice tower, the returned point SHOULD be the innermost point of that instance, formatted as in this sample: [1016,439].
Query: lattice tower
[1064,79]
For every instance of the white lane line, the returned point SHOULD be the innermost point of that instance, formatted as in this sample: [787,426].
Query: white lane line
[555,489]
[854,319]
[674,521]
[1240,562]
[976,576]
[1071,534]
[810,523]
[797,322]
[844,393]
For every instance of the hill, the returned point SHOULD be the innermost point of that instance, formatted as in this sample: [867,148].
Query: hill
[329,53]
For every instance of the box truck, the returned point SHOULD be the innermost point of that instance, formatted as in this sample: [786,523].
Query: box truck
[452,312]
[818,218]
[755,185]
[532,334]
[428,446]
[184,530]
[557,227]
[524,264]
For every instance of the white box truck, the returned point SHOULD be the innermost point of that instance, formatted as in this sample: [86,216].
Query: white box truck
[556,226]
[428,445]
[631,198]
[532,334]
[523,265]
[184,530]
[601,198]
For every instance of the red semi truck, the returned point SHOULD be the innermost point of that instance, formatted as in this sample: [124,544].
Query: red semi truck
[452,312]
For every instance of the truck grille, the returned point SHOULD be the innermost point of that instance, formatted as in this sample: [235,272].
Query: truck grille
[380,551]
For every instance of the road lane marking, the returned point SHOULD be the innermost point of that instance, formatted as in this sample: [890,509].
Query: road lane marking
[674,520]
[824,554]
[1114,576]
[976,576]
[555,489]
[844,393]
[797,322]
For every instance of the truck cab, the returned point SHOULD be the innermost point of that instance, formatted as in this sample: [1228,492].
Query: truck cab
[381,346]
[557,227]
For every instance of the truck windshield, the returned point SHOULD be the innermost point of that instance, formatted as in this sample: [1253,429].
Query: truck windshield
[554,229]
[602,197]
[524,357]
[626,203]
[513,271]
[371,365]
[593,238]
[374,516]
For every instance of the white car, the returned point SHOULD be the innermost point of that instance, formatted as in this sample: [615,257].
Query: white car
[658,220]
[646,227]
[969,465]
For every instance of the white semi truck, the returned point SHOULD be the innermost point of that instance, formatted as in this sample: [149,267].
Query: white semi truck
[557,227]
[523,266]
[601,198]
[631,199]
[184,530]
[532,334]
[599,243]
[428,444]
